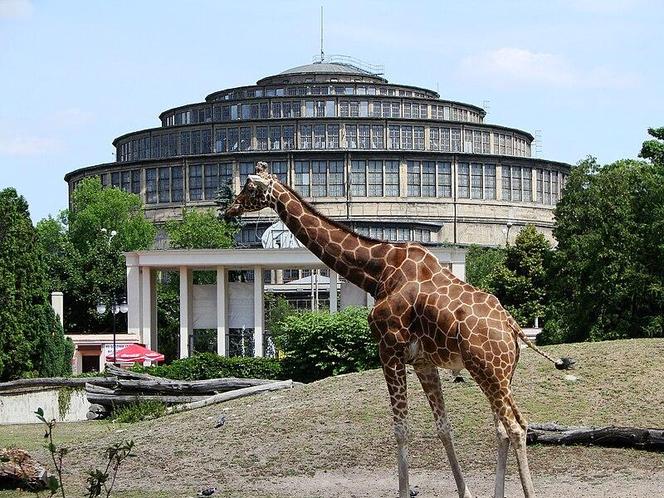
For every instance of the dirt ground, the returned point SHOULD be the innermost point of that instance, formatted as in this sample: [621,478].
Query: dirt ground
[334,438]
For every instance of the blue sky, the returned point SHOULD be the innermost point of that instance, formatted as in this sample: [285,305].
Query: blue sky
[76,74]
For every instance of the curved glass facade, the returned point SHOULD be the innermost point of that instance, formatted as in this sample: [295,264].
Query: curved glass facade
[397,162]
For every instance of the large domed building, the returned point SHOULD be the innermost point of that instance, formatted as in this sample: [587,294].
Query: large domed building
[393,161]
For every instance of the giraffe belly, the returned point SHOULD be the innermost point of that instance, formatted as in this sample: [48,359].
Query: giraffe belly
[441,356]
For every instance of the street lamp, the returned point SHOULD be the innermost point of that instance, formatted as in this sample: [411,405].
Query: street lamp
[506,231]
[115,309]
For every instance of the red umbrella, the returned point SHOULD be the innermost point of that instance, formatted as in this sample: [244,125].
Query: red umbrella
[135,353]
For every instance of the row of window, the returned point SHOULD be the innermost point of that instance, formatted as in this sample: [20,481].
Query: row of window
[323,136]
[367,178]
[334,89]
[328,108]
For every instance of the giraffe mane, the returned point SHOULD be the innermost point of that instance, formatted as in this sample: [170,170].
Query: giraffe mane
[335,223]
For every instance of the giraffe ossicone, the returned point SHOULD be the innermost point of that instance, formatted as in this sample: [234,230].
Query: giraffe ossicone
[423,315]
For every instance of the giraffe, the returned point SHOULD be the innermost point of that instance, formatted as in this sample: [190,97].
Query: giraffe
[423,316]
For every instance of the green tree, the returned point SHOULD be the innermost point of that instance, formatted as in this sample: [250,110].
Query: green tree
[87,263]
[200,230]
[608,272]
[520,282]
[31,338]
[481,262]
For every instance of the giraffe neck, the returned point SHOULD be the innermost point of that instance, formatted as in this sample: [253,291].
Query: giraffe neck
[358,259]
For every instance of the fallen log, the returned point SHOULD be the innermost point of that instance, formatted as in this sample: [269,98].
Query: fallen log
[618,437]
[19,470]
[167,386]
[109,397]
[238,393]
[123,373]
[52,382]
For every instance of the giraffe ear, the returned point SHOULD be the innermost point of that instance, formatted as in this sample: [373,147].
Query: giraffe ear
[261,168]
[259,181]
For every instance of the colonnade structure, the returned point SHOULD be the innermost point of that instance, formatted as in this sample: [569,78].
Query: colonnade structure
[230,303]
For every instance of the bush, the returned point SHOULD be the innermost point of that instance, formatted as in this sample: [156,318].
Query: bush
[141,410]
[319,344]
[212,366]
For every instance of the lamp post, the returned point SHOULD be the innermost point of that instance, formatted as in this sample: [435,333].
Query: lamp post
[115,308]
[506,231]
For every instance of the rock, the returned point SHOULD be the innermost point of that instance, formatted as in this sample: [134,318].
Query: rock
[220,421]
[207,492]
[414,491]
[97,408]
[19,470]
[570,378]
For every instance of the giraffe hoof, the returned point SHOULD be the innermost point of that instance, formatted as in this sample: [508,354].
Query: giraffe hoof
[458,378]
[414,491]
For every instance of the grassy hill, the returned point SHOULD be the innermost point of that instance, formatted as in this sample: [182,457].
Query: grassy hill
[340,428]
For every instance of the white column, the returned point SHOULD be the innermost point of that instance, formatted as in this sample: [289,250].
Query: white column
[222,292]
[458,268]
[133,296]
[258,311]
[333,291]
[57,303]
[185,310]
[148,326]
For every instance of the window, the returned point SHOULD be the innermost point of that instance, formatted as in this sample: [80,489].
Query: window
[211,180]
[527,184]
[302,178]
[428,179]
[463,180]
[486,144]
[489,181]
[261,137]
[220,142]
[336,179]
[195,142]
[354,109]
[507,183]
[177,184]
[115,180]
[406,137]
[330,109]
[185,142]
[333,136]
[305,137]
[351,136]
[376,109]
[364,109]
[396,110]
[434,144]
[319,109]
[392,178]
[195,182]
[245,138]
[375,178]
[456,140]
[444,179]
[445,139]
[547,187]
[540,191]
[206,137]
[289,137]
[164,186]
[264,110]
[395,137]
[136,181]
[419,137]
[476,181]
[364,137]
[555,187]
[318,178]
[344,109]
[233,139]
[319,136]
[414,185]
[276,109]
[151,185]
[516,183]
[358,178]
[309,109]
[377,138]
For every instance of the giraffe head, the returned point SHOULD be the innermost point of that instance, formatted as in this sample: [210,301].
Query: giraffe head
[255,195]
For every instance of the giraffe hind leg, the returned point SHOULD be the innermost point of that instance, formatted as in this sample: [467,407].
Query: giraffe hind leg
[501,465]
[430,380]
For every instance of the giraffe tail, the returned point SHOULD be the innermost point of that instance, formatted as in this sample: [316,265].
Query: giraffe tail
[560,363]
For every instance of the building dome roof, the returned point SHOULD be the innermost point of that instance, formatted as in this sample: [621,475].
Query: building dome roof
[344,70]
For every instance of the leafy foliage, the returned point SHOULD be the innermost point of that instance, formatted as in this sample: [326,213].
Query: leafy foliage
[212,366]
[86,264]
[200,230]
[318,344]
[481,262]
[521,282]
[141,410]
[31,338]
[608,271]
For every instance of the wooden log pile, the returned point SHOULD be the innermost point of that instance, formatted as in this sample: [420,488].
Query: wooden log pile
[130,387]
[617,437]
[19,470]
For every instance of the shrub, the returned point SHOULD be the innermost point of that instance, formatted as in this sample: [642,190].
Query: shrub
[319,344]
[212,366]
[141,410]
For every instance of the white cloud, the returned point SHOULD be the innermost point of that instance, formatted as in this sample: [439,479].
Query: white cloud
[517,66]
[16,8]
[28,146]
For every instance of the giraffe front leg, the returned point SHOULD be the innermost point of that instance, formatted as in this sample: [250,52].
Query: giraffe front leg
[430,380]
[395,376]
